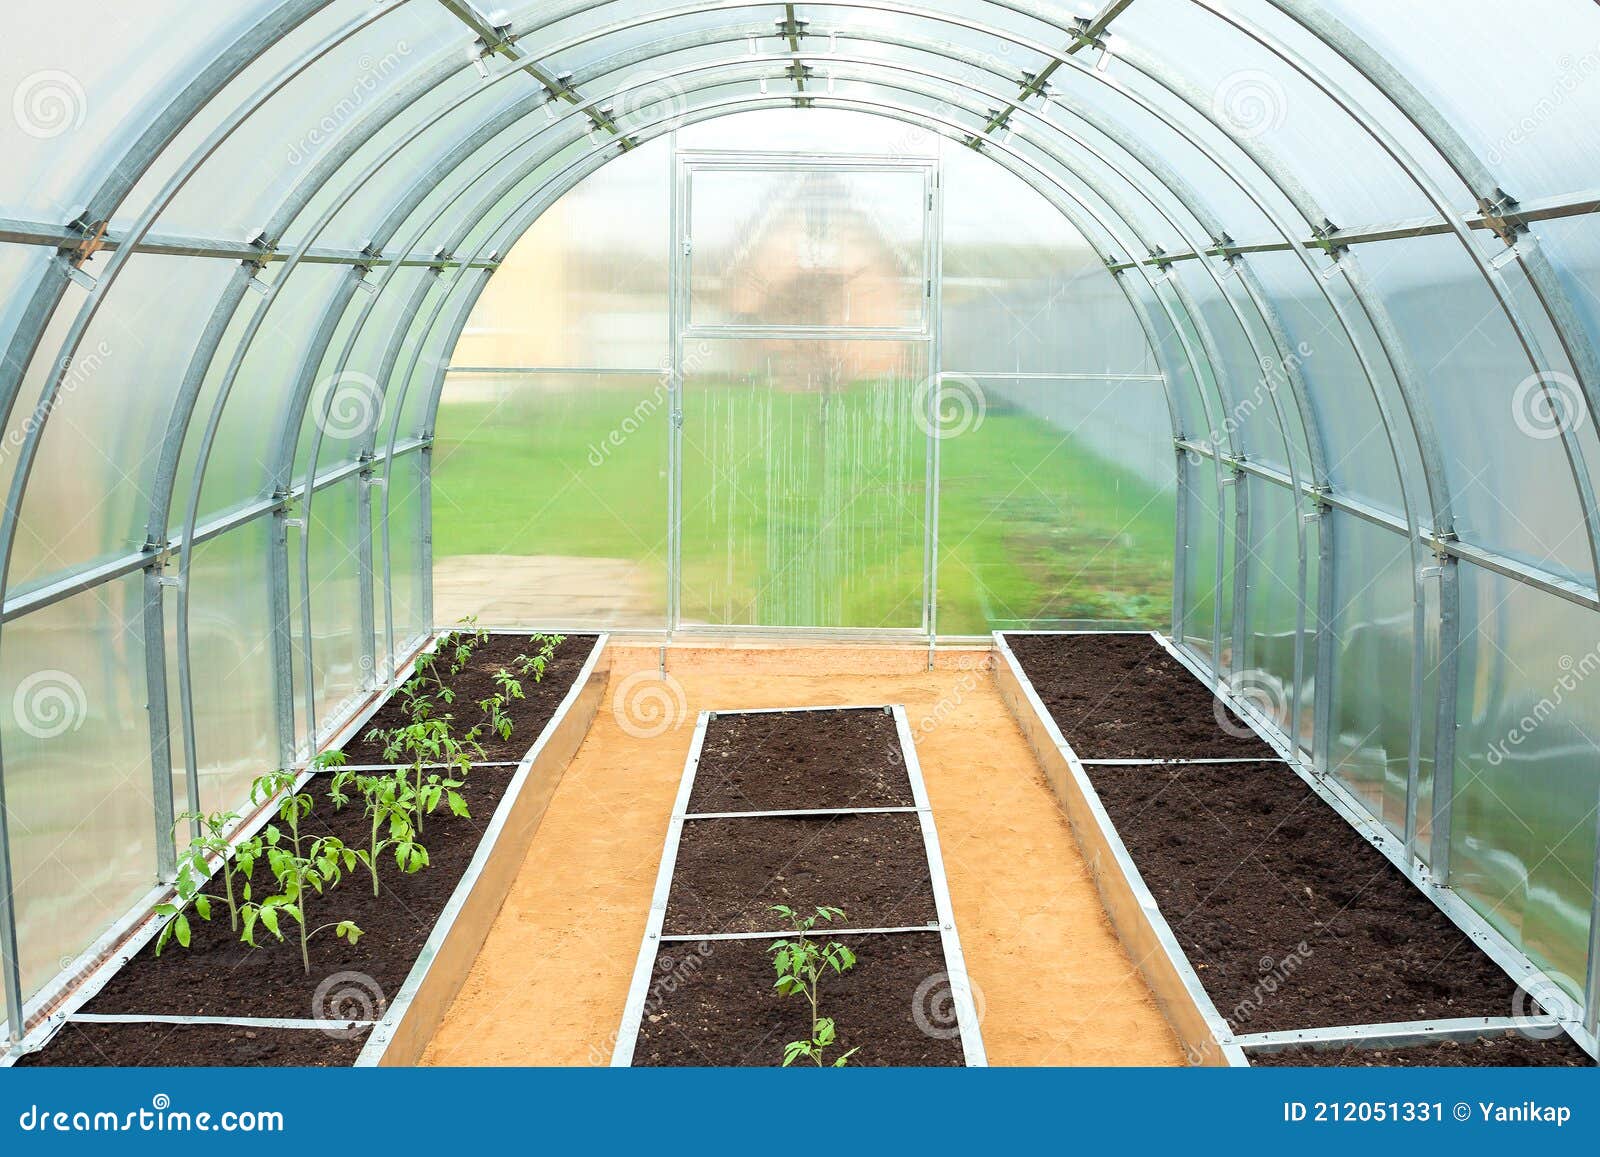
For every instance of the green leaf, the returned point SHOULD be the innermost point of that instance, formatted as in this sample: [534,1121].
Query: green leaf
[181,930]
[202,905]
[269,920]
[825,1031]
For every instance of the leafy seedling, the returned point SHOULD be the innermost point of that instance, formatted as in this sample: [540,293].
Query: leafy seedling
[389,803]
[801,963]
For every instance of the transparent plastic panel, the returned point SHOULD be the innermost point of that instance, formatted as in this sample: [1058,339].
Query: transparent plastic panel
[550,499]
[81,94]
[1022,290]
[78,794]
[1523,826]
[21,266]
[1055,504]
[587,285]
[237,189]
[1499,430]
[1522,95]
[804,483]
[1275,615]
[405,602]
[799,246]
[24,411]
[1246,416]
[1372,690]
[87,497]
[339,674]
[230,665]
[1202,541]
[820,130]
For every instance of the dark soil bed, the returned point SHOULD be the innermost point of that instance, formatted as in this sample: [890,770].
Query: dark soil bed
[780,760]
[729,871]
[476,683]
[713,1003]
[144,1045]
[1122,696]
[1511,1050]
[1290,918]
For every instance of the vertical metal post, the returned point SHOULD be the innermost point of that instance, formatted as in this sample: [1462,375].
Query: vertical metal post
[154,621]
[367,611]
[934,248]
[1241,571]
[10,960]
[1327,649]
[677,291]
[1180,540]
[1444,738]
[425,531]
[282,634]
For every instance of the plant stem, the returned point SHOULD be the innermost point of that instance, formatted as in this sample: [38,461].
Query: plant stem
[227,880]
[372,858]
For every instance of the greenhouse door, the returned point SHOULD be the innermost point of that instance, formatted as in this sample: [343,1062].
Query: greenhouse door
[804,298]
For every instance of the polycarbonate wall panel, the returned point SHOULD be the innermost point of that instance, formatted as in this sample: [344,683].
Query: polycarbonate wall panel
[1056,504]
[804,482]
[97,454]
[1527,785]
[1372,692]
[550,499]
[337,649]
[406,599]
[1266,674]
[230,668]
[587,285]
[1023,291]
[823,130]
[797,245]
[77,749]
[1201,589]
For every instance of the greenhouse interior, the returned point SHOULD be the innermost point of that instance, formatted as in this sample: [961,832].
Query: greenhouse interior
[510,512]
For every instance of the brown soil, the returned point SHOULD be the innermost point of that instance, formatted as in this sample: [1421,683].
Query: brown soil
[802,759]
[144,1045]
[475,683]
[1291,919]
[1513,1050]
[729,872]
[217,975]
[1121,696]
[713,1003]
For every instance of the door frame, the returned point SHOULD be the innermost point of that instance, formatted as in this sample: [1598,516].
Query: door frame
[681,331]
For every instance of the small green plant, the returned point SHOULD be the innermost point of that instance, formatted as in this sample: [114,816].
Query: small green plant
[194,872]
[533,665]
[300,875]
[390,801]
[425,742]
[801,963]
[495,706]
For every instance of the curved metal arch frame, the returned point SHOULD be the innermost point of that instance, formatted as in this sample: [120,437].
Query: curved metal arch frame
[1559,328]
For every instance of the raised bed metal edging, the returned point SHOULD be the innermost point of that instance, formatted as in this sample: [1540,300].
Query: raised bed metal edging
[950,943]
[1140,925]
[1170,762]
[644,969]
[289,1022]
[410,1019]
[954,963]
[1488,939]
[123,941]
[1399,1034]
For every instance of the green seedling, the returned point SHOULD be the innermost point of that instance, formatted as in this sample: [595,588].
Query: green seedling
[389,801]
[533,665]
[430,741]
[801,963]
[300,876]
[194,872]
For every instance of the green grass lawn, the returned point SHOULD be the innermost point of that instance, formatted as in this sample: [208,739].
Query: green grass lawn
[800,511]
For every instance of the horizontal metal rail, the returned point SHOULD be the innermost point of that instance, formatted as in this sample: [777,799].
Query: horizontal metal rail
[1399,1033]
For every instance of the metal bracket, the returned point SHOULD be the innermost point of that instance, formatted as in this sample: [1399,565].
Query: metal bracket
[1500,217]
[1322,237]
[93,235]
